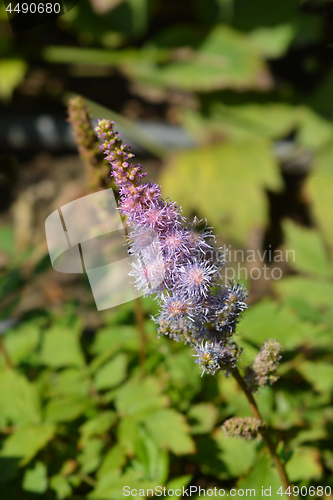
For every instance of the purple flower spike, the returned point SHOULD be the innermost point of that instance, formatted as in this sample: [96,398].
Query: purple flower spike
[176,261]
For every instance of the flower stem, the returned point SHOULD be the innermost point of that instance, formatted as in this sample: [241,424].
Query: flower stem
[139,319]
[5,354]
[264,431]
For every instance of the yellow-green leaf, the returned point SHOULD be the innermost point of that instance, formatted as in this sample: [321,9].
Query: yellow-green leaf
[273,42]
[304,464]
[61,347]
[27,441]
[225,59]
[35,480]
[19,402]
[202,417]
[140,398]
[170,430]
[306,249]
[12,72]
[112,373]
[224,183]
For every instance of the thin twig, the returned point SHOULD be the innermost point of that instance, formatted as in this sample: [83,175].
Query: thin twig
[4,352]
[139,319]
[89,480]
[264,431]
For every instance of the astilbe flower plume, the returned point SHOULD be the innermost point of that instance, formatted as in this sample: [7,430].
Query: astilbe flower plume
[176,262]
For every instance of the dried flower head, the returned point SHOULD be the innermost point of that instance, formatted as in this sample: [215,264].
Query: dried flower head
[262,371]
[246,427]
[96,167]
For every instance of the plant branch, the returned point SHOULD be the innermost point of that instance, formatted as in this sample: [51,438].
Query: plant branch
[264,431]
[139,319]
[5,354]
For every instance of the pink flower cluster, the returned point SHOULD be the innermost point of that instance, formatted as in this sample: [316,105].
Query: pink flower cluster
[178,261]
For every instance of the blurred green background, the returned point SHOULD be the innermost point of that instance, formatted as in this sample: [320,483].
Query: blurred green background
[228,104]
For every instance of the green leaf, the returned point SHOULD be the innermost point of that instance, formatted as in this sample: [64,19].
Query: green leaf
[202,417]
[90,457]
[105,485]
[139,15]
[115,338]
[184,378]
[61,347]
[237,454]
[232,395]
[140,398]
[127,433]
[177,35]
[328,459]
[170,430]
[272,120]
[320,187]
[315,132]
[21,342]
[97,426]
[81,55]
[149,458]
[274,41]
[319,374]
[307,251]
[293,409]
[304,464]
[269,320]
[207,458]
[60,485]
[308,436]
[111,485]
[19,402]
[286,415]
[323,163]
[178,484]
[248,15]
[317,294]
[113,460]
[35,480]
[68,382]
[12,72]
[225,59]
[27,441]
[262,475]
[112,373]
[66,409]
[243,167]
[305,311]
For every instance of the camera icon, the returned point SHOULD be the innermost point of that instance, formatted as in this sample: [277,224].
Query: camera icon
[87,235]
